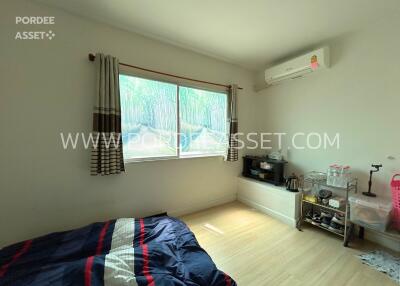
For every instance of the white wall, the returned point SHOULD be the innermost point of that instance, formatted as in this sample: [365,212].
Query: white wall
[48,88]
[359,98]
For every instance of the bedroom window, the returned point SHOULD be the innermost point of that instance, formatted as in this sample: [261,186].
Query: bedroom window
[162,120]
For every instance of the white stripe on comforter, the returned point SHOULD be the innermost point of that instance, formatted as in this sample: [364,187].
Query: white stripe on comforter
[119,263]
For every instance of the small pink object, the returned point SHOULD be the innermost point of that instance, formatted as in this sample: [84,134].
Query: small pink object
[395,188]
[314,65]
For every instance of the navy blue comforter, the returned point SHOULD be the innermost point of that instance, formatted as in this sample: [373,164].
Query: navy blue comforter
[151,251]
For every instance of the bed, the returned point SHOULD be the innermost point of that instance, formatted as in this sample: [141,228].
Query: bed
[127,251]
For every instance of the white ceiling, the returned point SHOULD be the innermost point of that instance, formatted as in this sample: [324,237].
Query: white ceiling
[250,33]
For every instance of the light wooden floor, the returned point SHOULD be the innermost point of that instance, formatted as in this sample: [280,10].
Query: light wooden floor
[258,250]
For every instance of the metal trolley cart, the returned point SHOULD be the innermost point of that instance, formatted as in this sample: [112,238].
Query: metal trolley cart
[320,183]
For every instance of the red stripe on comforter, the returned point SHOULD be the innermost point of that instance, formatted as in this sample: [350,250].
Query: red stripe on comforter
[227,280]
[16,256]
[99,249]
[146,272]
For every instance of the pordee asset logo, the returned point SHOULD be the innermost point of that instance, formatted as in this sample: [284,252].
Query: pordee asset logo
[35,20]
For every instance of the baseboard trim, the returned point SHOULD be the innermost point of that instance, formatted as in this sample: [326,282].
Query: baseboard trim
[383,239]
[202,206]
[287,220]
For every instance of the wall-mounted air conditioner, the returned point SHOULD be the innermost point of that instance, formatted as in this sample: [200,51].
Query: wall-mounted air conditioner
[311,62]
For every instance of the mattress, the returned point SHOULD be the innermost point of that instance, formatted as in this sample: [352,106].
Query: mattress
[127,251]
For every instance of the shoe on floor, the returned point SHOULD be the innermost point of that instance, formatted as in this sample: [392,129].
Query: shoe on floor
[326,221]
[316,220]
[309,216]
[326,214]
[338,219]
[336,228]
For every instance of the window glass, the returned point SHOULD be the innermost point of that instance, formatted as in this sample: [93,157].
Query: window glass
[149,117]
[203,125]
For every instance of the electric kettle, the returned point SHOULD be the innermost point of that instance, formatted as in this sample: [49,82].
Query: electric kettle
[292,183]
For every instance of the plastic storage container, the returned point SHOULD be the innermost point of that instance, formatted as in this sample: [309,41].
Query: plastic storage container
[373,213]
[338,176]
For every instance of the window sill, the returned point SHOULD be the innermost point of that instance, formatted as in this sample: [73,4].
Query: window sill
[153,159]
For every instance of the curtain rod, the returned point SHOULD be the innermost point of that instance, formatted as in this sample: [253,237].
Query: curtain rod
[92,57]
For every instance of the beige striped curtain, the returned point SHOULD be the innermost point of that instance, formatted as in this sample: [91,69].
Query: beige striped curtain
[107,155]
[232,152]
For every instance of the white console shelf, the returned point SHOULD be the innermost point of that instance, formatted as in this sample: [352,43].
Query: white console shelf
[275,201]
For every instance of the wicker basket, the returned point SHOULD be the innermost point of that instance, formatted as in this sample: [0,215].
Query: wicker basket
[395,187]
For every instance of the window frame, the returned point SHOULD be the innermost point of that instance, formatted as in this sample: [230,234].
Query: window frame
[178,155]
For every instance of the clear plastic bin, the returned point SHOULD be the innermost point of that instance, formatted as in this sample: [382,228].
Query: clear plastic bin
[373,213]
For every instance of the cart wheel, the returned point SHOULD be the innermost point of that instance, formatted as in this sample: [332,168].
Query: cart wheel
[361,232]
[298,226]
